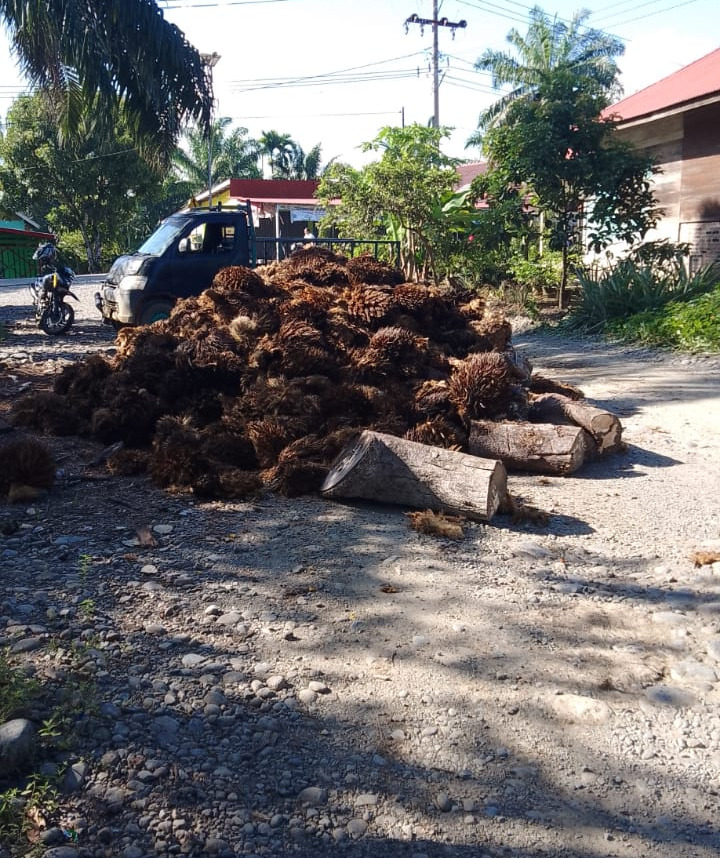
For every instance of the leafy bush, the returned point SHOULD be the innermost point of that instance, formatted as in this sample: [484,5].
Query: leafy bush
[537,273]
[633,287]
[690,325]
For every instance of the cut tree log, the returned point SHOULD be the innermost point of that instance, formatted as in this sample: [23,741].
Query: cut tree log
[602,425]
[542,384]
[393,470]
[540,448]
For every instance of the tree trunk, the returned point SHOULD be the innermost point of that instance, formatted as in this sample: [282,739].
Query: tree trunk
[603,426]
[536,447]
[393,470]
[563,276]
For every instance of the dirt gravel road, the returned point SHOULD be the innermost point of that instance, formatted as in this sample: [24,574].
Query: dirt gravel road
[326,681]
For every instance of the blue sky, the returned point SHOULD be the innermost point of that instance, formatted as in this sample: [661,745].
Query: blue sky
[335,71]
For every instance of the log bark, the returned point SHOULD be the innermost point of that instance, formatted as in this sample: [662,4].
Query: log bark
[393,470]
[602,425]
[535,447]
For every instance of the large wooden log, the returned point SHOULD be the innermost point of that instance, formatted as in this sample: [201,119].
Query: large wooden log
[602,425]
[535,447]
[393,470]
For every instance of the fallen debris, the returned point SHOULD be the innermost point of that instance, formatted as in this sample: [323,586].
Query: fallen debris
[705,558]
[437,524]
[27,468]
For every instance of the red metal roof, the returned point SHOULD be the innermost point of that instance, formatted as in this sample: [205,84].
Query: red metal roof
[468,172]
[695,82]
[298,191]
[26,233]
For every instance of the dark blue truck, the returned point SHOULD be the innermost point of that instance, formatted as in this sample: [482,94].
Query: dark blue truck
[181,257]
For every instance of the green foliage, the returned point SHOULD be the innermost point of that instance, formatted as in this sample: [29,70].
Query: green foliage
[88,186]
[17,690]
[692,325]
[407,193]
[87,608]
[632,287]
[548,45]
[556,148]
[21,807]
[534,272]
[286,157]
[233,154]
[84,565]
[546,137]
[99,60]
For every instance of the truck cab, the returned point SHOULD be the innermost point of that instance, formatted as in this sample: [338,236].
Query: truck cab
[179,260]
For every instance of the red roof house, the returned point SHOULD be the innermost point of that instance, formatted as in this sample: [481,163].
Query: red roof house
[677,120]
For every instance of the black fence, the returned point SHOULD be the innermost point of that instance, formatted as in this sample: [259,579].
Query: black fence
[275,249]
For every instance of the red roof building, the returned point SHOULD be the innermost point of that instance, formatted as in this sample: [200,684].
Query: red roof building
[677,120]
[281,208]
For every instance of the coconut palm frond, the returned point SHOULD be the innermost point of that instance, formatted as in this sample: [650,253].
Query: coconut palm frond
[125,53]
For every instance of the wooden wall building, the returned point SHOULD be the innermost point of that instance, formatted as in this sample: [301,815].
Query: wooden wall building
[677,120]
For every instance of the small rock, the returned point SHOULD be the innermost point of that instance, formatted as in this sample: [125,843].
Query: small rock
[313,795]
[307,696]
[584,710]
[356,828]
[443,802]
[17,744]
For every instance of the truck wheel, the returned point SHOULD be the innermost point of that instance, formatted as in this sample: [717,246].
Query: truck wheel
[154,312]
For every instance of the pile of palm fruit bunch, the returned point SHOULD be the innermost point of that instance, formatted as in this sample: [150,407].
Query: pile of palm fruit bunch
[265,377]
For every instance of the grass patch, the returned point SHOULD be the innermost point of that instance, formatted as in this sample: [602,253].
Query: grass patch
[692,325]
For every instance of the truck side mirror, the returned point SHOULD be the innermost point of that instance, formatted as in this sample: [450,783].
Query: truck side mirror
[183,245]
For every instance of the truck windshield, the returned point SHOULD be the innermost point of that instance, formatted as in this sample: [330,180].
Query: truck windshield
[163,237]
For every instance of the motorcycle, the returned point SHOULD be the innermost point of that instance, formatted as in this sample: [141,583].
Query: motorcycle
[49,291]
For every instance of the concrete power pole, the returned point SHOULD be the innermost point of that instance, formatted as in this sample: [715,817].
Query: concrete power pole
[435,23]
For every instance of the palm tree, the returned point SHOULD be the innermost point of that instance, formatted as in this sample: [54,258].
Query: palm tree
[549,45]
[307,165]
[234,155]
[126,53]
[281,151]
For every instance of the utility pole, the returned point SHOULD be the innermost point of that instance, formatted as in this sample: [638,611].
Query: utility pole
[435,23]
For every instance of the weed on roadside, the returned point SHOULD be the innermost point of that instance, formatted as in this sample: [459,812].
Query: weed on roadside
[17,690]
[26,810]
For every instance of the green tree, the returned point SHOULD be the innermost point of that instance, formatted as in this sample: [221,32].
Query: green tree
[281,152]
[89,185]
[124,54]
[234,155]
[306,164]
[405,195]
[548,46]
[556,147]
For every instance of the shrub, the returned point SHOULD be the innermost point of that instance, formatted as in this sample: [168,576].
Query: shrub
[632,287]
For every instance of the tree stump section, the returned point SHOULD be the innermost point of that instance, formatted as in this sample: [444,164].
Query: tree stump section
[387,469]
[534,447]
[602,425]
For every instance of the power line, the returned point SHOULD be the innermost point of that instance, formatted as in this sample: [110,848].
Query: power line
[652,14]
[222,5]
